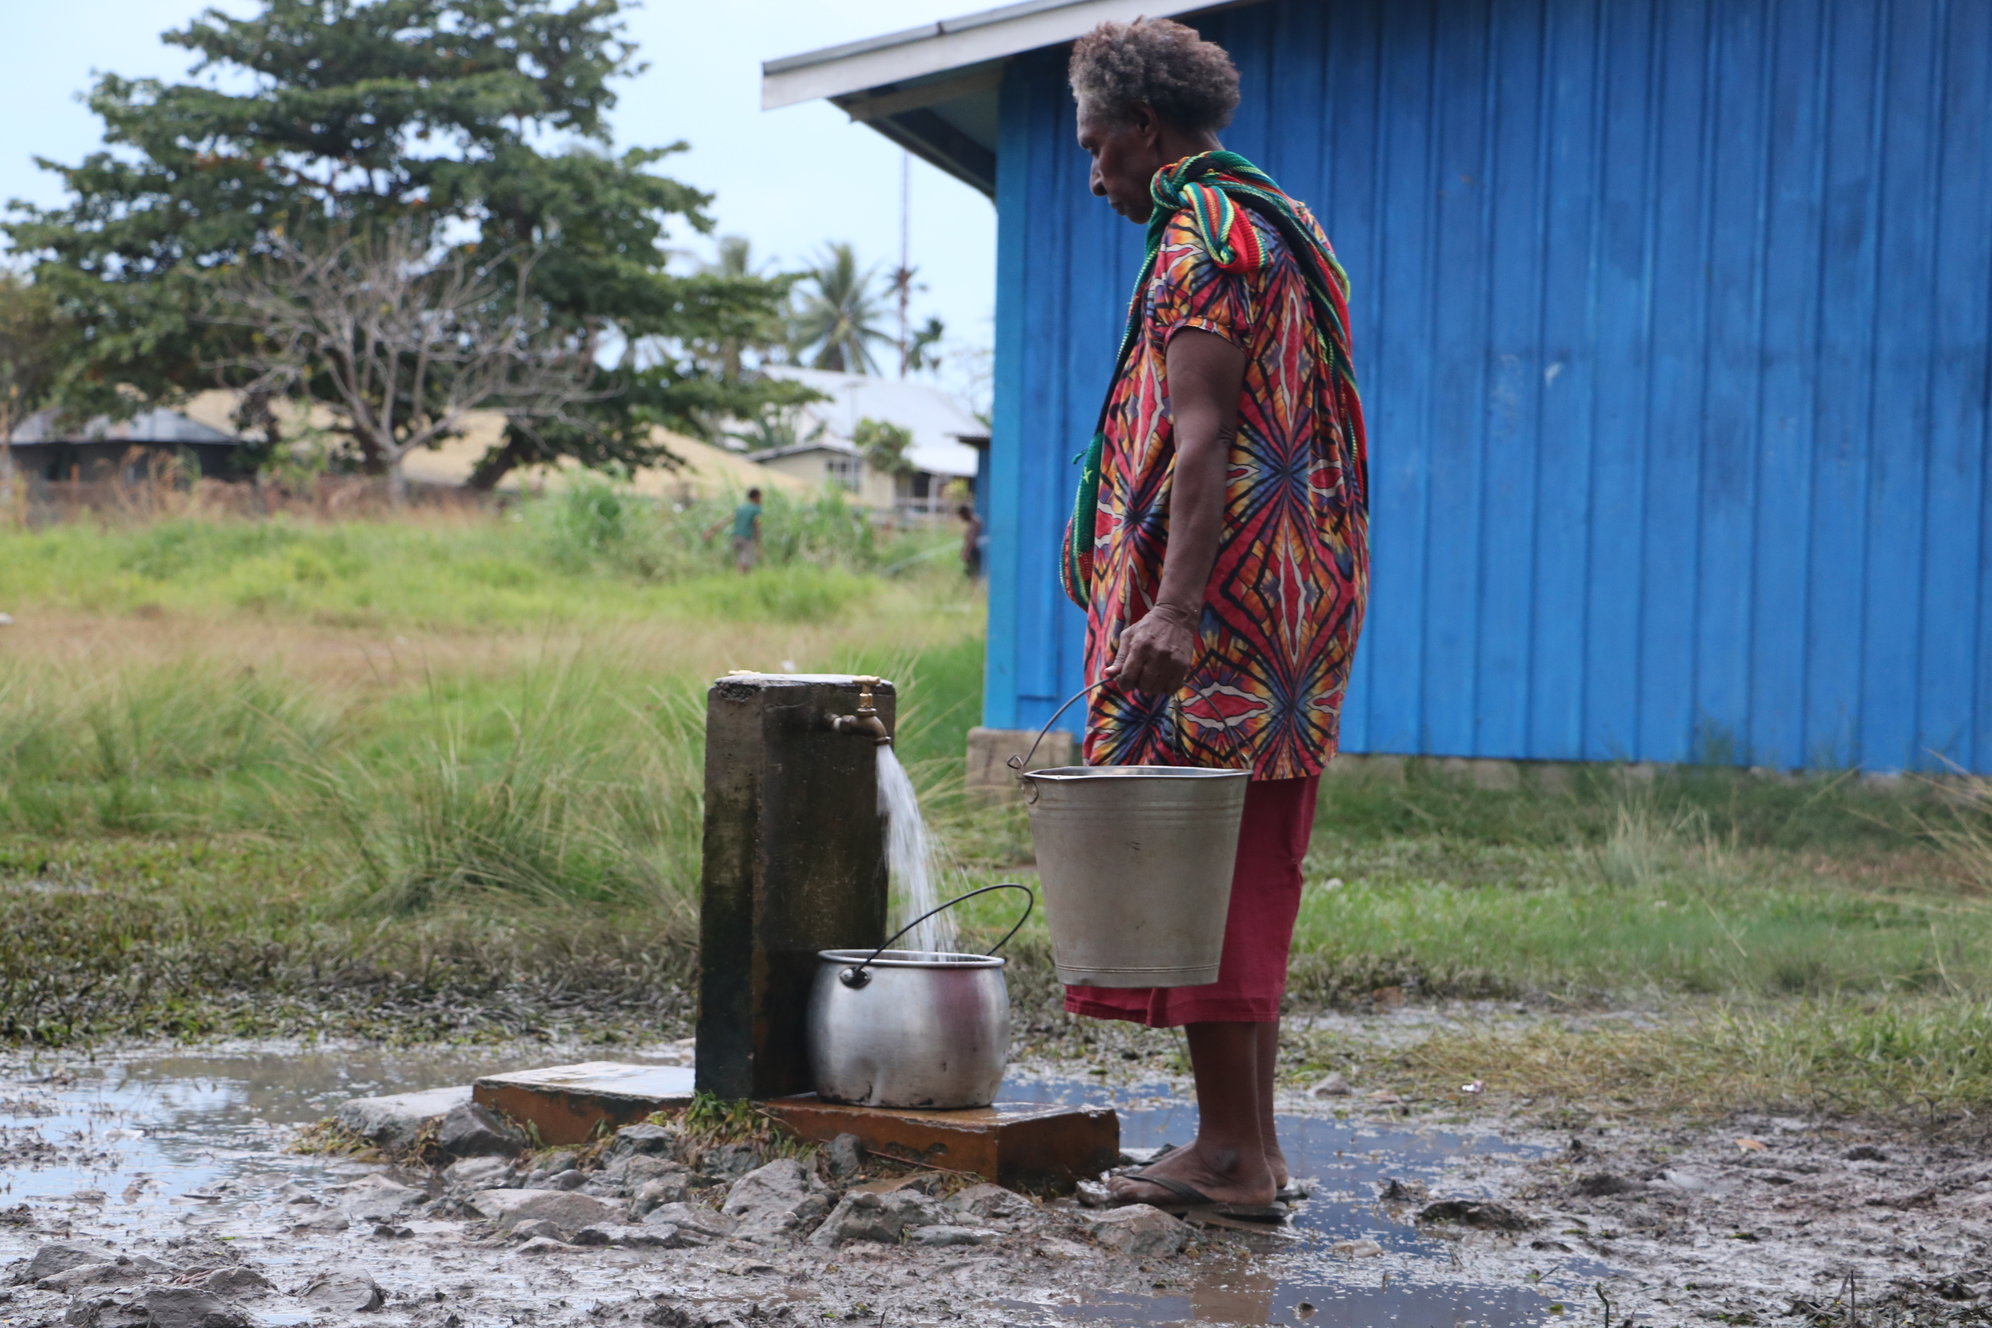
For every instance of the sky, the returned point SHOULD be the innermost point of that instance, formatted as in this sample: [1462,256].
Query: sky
[788,180]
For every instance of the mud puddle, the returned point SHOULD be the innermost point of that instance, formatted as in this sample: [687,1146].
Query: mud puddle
[181,1161]
[1349,1256]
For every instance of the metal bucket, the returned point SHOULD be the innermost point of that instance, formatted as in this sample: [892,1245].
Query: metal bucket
[911,1028]
[1135,863]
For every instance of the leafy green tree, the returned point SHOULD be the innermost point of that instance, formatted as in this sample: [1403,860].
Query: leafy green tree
[37,343]
[883,446]
[838,312]
[358,114]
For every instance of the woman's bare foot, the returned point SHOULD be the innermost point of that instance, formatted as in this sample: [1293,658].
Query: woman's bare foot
[1277,1164]
[1226,1175]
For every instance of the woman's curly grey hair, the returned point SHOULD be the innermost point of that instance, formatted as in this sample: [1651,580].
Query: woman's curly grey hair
[1190,82]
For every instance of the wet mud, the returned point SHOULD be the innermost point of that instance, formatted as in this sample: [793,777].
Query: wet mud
[150,1189]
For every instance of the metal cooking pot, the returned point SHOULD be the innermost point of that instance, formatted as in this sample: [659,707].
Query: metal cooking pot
[911,1028]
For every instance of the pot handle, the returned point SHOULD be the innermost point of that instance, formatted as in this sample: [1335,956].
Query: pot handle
[856,976]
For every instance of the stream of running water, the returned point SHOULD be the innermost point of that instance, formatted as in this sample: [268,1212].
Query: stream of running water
[911,860]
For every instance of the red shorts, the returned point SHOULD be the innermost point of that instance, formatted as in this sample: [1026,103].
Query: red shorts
[1258,927]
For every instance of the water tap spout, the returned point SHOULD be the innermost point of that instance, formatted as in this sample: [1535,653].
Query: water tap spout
[865,721]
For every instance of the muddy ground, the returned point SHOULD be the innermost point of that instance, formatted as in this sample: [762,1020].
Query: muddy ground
[143,1187]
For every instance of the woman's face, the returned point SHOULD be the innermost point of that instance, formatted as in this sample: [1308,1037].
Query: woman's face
[1125,159]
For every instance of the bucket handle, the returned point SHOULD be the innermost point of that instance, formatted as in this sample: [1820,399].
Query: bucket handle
[856,976]
[1021,764]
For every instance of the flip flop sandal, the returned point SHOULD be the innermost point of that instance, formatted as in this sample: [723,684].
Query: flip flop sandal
[1189,1199]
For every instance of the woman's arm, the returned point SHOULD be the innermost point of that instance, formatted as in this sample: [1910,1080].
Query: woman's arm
[1206,374]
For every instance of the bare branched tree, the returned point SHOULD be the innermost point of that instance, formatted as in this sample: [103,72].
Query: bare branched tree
[402,339]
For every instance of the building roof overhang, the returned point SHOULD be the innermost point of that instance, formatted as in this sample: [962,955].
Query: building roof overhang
[932,89]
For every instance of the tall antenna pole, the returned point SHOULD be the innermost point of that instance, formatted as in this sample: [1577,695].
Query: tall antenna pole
[905,256]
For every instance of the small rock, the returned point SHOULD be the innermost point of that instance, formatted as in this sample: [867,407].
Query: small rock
[993,1201]
[545,1245]
[924,1182]
[392,1123]
[1093,1194]
[947,1235]
[654,1140]
[1404,1191]
[116,1272]
[479,1173]
[294,1193]
[637,1168]
[1334,1085]
[1138,1231]
[104,1312]
[1601,1183]
[186,1307]
[392,1231]
[350,1291]
[323,1223]
[471,1129]
[375,1198]
[1355,1249]
[547,1166]
[843,1157]
[696,1225]
[1479,1214]
[866,1215]
[570,1179]
[61,1256]
[535,1228]
[628,1236]
[236,1282]
[570,1212]
[730,1161]
[772,1203]
[673,1187]
[1865,1153]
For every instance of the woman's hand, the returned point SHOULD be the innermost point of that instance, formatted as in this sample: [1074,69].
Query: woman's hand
[1157,653]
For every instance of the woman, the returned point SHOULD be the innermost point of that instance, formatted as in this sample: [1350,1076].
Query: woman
[1220,548]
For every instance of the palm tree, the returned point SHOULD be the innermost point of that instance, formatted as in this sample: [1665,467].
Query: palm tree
[837,319]
[726,354]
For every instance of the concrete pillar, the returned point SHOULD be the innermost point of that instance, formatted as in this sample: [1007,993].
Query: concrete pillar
[794,863]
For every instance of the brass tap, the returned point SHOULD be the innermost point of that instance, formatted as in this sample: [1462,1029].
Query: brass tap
[865,721]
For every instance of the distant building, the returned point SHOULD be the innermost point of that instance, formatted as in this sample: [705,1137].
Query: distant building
[948,444]
[44,448]
[1673,319]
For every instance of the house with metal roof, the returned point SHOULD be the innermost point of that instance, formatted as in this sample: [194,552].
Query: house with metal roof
[942,458]
[1672,322]
[50,448]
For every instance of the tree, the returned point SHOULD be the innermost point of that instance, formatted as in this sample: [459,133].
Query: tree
[727,355]
[883,446]
[403,342]
[36,344]
[836,321]
[360,113]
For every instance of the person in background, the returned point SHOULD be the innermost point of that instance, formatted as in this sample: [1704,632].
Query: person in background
[971,541]
[746,531]
[1220,548]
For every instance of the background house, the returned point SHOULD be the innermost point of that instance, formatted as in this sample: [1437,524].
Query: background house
[943,448]
[49,449]
[1672,322]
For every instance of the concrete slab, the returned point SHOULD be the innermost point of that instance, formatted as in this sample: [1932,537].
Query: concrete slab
[1024,1145]
[572,1104]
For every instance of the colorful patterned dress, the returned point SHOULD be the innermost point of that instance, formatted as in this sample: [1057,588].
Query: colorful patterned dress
[1286,598]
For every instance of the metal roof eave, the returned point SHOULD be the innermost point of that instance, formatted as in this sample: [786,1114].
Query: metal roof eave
[916,86]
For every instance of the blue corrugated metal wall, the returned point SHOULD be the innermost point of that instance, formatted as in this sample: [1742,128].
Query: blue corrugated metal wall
[1672,318]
